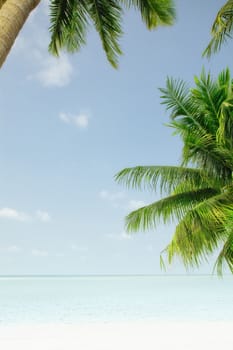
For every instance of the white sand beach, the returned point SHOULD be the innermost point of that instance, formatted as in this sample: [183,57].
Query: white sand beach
[119,336]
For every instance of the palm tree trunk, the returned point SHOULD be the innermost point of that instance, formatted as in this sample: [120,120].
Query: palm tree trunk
[13,14]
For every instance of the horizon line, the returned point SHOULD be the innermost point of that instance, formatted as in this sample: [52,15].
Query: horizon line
[114,275]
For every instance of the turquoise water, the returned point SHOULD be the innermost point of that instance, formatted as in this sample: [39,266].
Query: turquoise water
[115,298]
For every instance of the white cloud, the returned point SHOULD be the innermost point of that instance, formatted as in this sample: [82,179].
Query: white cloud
[80,120]
[39,253]
[104,194]
[111,196]
[135,204]
[120,200]
[12,214]
[54,71]
[79,248]
[50,71]
[65,118]
[43,216]
[13,249]
[120,237]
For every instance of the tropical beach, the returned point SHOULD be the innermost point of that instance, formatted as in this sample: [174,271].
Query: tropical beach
[116,192]
[116,312]
[103,312]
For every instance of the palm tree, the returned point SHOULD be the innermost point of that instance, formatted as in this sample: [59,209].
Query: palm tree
[221,28]
[199,192]
[70,20]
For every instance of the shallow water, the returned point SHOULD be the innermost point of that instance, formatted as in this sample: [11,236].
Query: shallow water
[115,299]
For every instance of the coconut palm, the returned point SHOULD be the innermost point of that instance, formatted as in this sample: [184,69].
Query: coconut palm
[199,192]
[70,20]
[221,28]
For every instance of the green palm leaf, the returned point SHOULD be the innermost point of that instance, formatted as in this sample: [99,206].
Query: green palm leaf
[176,98]
[201,230]
[68,25]
[70,20]
[153,12]
[166,177]
[225,255]
[221,29]
[169,209]
[200,191]
[106,16]
[205,94]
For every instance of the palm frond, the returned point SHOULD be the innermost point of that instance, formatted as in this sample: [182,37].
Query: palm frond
[169,209]
[226,254]
[194,137]
[68,25]
[202,150]
[212,152]
[154,12]
[221,28]
[70,20]
[106,16]
[204,94]
[201,230]
[225,130]
[190,186]
[224,81]
[75,33]
[167,177]
[200,191]
[176,97]
[206,123]
[217,162]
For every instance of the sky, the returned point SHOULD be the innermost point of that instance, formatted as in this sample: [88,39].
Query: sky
[68,125]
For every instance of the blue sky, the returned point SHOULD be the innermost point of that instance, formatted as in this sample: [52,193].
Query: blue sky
[68,125]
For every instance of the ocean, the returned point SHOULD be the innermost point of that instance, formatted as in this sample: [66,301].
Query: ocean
[108,299]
